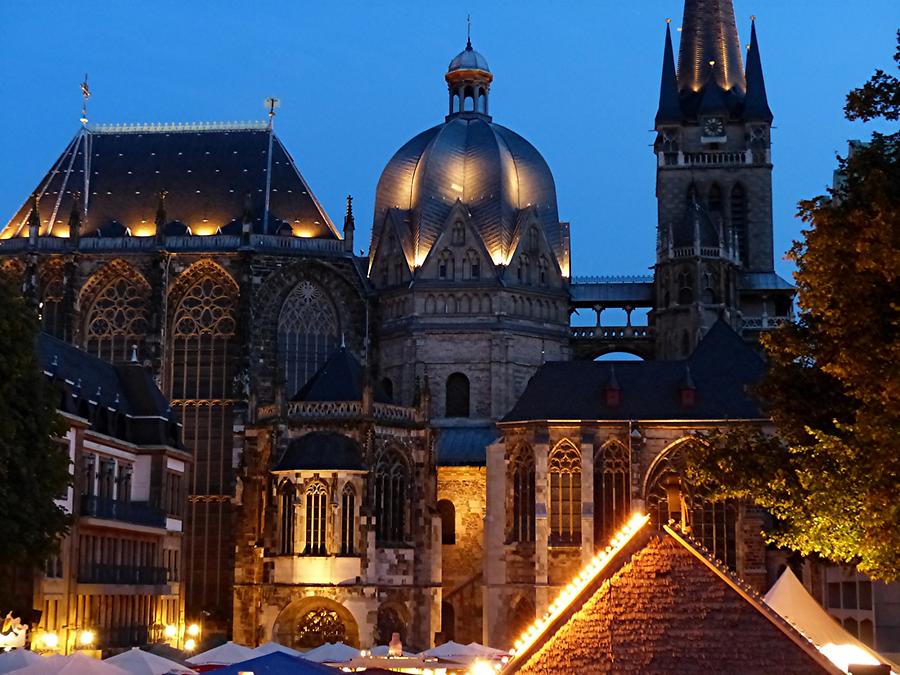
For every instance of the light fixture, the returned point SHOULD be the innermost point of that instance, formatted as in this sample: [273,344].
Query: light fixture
[190,645]
[86,638]
[170,631]
[50,640]
[193,630]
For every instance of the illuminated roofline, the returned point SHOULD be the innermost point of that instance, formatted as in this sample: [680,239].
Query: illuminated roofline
[176,127]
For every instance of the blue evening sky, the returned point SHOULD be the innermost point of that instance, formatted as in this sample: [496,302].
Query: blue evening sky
[357,79]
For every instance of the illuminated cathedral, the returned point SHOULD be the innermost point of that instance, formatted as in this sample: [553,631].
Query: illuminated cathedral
[417,440]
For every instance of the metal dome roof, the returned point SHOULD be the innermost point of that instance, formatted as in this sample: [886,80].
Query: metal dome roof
[468,59]
[493,171]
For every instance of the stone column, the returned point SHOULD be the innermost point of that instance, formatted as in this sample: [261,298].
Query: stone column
[587,497]
[541,528]
[494,612]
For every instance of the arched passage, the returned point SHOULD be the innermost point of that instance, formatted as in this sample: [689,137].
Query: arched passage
[311,622]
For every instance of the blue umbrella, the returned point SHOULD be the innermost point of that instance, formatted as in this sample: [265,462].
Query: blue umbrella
[277,663]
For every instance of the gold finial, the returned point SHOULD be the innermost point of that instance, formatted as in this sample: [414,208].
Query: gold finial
[668,20]
[753,17]
[85,94]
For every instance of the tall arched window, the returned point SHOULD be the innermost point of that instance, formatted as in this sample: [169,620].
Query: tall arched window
[739,220]
[612,490]
[565,494]
[669,495]
[521,482]
[714,200]
[286,531]
[308,332]
[448,621]
[117,317]
[52,289]
[318,626]
[316,519]
[447,512]
[392,492]
[457,396]
[685,287]
[348,520]
[388,622]
[446,265]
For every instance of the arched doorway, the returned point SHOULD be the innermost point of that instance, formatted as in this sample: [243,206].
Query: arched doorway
[310,622]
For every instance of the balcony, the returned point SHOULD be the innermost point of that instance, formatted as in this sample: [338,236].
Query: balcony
[138,513]
[133,575]
[764,322]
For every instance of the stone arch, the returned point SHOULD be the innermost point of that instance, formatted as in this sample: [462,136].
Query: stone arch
[447,513]
[612,489]
[520,478]
[297,624]
[392,495]
[564,479]
[429,304]
[451,304]
[51,296]
[393,617]
[519,617]
[116,305]
[309,330]
[486,304]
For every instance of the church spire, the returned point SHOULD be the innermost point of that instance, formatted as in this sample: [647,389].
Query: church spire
[709,47]
[756,103]
[669,107]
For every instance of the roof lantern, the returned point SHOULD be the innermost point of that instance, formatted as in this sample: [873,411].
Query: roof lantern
[468,81]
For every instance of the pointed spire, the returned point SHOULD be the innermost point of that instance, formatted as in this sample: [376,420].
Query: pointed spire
[349,225]
[756,103]
[34,218]
[709,34]
[669,106]
[75,217]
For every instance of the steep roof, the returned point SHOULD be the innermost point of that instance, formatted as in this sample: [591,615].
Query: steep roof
[321,450]
[709,34]
[119,400]
[464,446]
[339,379]
[659,604]
[721,367]
[756,103]
[207,172]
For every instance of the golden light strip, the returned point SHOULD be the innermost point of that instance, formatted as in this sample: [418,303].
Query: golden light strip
[587,575]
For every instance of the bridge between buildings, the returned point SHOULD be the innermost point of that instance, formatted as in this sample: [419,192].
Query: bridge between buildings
[611,292]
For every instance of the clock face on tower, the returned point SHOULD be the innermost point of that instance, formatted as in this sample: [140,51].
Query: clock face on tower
[714,127]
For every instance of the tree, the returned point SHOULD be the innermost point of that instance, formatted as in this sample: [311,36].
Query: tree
[34,468]
[831,474]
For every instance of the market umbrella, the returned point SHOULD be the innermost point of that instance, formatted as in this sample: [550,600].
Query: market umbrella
[223,655]
[277,663]
[17,658]
[74,664]
[138,662]
[384,650]
[449,650]
[272,647]
[331,652]
[485,651]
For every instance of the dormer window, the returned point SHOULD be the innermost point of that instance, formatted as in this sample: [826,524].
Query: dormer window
[476,270]
[446,265]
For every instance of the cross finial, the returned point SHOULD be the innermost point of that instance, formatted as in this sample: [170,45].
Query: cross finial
[85,95]
[468,31]
[271,103]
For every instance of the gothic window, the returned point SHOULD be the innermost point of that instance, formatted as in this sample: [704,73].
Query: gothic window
[714,199]
[472,265]
[348,520]
[447,512]
[457,396]
[117,318]
[521,481]
[387,386]
[286,530]
[709,293]
[53,320]
[670,496]
[308,331]
[543,268]
[446,265]
[523,270]
[565,494]
[392,493]
[739,220]
[612,490]
[318,626]
[533,240]
[475,269]
[685,288]
[389,622]
[316,519]
[459,234]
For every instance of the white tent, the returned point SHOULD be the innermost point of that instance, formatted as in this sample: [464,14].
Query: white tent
[331,652]
[74,664]
[271,647]
[223,655]
[791,600]
[486,652]
[17,658]
[384,650]
[449,650]
[138,662]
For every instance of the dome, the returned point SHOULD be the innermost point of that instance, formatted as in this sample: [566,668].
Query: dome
[492,171]
[468,59]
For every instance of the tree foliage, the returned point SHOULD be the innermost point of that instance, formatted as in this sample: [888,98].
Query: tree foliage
[831,475]
[34,469]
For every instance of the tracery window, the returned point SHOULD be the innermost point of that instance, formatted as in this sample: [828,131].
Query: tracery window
[348,519]
[53,320]
[565,494]
[308,330]
[459,234]
[612,490]
[286,531]
[709,293]
[117,319]
[533,240]
[685,288]
[392,493]
[671,496]
[521,481]
[446,265]
[457,396]
[318,626]
[316,519]
[543,269]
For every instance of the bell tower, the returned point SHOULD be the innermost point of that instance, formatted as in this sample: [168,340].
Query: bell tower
[713,178]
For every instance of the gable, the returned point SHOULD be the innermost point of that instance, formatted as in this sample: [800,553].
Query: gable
[664,611]
[533,262]
[458,253]
[390,264]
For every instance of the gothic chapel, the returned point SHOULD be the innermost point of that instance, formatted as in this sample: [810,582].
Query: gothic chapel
[416,440]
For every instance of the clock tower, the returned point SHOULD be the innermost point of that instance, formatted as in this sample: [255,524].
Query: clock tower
[713,182]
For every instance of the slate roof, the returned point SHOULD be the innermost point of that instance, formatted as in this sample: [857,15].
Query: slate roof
[721,367]
[119,400]
[465,446]
[322,450]
[206,170]
[764,281]
[339,379]
[663,606]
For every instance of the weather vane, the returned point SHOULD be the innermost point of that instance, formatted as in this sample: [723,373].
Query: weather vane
[85,94]
[271,103]
[469,30]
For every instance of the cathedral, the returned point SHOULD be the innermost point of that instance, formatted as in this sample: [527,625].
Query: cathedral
[417,440]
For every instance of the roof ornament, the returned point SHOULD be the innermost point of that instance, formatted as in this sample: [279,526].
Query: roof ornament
[271,103]
[85,95]
[468,31]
